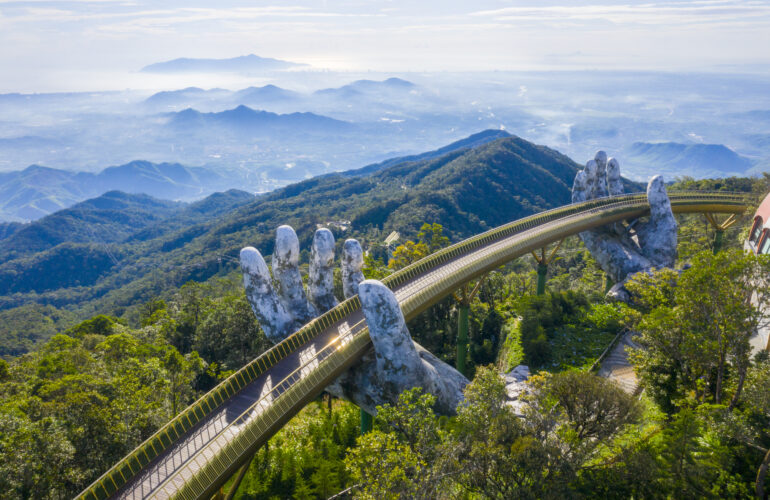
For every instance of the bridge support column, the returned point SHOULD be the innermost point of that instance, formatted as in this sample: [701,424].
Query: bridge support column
[719,229]
[462,336]
[718,235]
[542,272]
[463,322]
[542,266]
[366,422]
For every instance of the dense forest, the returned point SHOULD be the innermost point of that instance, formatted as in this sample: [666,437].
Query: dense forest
[88,395]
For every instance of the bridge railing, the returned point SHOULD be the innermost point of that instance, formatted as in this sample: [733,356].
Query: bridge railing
[465,246]
[130,466]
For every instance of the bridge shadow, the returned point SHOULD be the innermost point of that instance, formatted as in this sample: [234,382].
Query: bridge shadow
[258,395]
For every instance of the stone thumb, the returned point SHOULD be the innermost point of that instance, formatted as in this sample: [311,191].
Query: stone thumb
[396,356]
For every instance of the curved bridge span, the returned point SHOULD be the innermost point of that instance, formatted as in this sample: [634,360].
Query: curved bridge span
[201,448]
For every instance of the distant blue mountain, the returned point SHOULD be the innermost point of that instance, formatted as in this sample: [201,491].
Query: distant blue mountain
[184,97]
[696,160]
[362,87]
[268,93]
[245,119]
[242,64]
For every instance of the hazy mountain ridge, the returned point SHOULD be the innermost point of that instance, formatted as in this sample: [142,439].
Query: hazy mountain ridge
[242,64]
[360,87]
[695,160]
[37,191]
[244,120]
[574,112]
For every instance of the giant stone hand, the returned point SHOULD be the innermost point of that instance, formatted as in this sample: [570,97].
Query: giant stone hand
[623,250]
[395,363]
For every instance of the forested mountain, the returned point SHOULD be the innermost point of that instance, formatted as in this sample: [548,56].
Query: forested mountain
[107,219]
[196,242]
[469,142]
[37,191]
[8,228]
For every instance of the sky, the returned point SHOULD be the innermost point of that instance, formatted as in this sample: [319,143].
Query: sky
[68,45]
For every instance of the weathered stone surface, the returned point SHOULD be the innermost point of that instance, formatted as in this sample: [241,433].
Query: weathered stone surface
[620,250]
[396,363]
[352,263]
[614,182]
[286,271]
[399,364]
[275,320]
[657,237]
[320,285]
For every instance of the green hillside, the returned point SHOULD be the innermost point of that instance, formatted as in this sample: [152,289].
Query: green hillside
[461,189]
[107,219]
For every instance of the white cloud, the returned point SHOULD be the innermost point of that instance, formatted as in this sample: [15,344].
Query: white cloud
[90,35]
[656,14]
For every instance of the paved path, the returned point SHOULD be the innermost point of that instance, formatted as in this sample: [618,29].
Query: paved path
[616,366]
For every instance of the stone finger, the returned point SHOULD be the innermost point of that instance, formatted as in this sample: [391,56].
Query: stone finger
[579,187]
[600,187]
[590,173]
[286,271]
[275,321]
[352,263]
[614,182]
[658,238]
[320,285]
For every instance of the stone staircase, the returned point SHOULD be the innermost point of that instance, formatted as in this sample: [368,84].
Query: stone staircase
[615,365]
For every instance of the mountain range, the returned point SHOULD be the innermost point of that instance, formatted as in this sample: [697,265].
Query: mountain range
[391,93]
[696,160]
[38,191]
[242,64]
[244,120]
[173,244]
[394,115]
